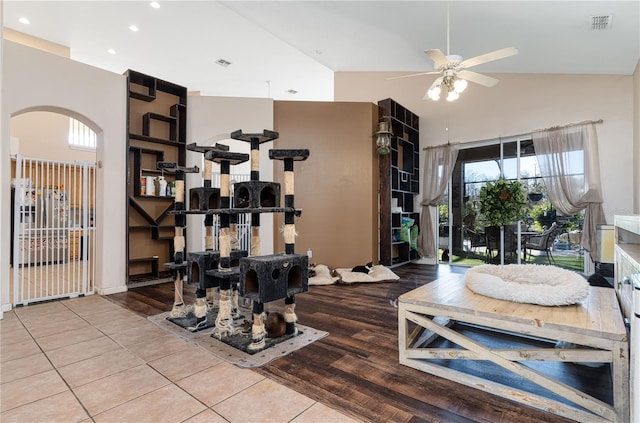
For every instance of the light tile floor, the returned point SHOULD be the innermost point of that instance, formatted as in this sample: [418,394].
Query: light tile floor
[88,359]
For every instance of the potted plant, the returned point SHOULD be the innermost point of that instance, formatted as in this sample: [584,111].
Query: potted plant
[535,196]
[503,202]
[536,192]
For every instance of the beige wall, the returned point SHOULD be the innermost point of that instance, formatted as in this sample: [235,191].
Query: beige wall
[519,104]
[211,120]
[5,172]
[336,187]
[35,42]
[44,135]
[34,80]
[636,137]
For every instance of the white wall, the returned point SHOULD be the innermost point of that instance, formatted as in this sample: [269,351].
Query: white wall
[35,80]
[636,137]
[519,104]
[211,120]
[5,173]
[44,135]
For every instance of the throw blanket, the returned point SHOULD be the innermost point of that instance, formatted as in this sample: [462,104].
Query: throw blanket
[528,283]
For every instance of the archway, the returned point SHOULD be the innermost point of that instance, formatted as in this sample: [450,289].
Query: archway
[53,217]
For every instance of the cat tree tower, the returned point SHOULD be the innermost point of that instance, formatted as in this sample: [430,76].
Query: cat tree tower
[256,277]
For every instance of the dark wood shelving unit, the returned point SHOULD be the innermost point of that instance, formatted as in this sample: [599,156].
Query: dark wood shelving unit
[399,181]
[157,117]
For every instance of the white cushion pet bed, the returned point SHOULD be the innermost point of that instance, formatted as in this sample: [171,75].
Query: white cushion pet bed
[528,283]
[324,276]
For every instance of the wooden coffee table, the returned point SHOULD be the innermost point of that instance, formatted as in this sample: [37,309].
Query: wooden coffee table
[596,324]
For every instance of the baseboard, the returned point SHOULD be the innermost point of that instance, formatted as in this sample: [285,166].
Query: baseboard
[426,260]
[114,290]
[5,308]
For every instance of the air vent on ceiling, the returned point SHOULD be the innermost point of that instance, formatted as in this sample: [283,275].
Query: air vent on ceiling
[223,63]
[601,22]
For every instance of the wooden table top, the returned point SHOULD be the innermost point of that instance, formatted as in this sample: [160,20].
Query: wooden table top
[599,315]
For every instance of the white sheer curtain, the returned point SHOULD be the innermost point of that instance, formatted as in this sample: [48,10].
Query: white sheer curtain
[569,164]
[438,165]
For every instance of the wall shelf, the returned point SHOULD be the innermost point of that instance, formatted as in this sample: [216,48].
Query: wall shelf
[399,181]
[157,133]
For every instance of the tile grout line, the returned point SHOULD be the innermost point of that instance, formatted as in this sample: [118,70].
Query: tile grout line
[264,378]
[146,364]
[170,382]
[53,366]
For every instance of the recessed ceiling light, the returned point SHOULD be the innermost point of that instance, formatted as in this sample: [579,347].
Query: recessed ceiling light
[155,5]
[111,51]
[223,63]
[292,92]
[24,21]
[133,28]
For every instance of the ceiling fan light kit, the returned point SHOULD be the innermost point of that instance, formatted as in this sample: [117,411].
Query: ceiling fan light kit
[455,75]
[454,71]
[453,86]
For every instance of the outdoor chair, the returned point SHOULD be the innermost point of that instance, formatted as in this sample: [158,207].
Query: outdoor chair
[544,241]
[476,239]
[493,243]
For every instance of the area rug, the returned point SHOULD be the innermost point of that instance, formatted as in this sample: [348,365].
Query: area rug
[233,349]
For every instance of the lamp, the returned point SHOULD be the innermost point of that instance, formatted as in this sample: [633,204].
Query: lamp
[450,83]
[383,138]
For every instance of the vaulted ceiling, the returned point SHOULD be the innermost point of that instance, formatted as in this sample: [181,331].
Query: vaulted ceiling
[290,49]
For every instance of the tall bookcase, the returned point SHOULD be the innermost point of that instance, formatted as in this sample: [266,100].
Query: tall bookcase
[399,181]
[157,131]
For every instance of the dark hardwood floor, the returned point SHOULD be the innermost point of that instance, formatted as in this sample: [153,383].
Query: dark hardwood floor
[355,369]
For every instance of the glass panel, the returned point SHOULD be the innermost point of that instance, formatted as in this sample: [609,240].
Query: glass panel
[487,170]
[443,229]
[475,167]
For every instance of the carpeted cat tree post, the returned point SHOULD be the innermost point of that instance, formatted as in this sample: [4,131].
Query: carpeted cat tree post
[179,265]
[202,199]
[268,278]
[208,228]
[227,277]
[256,194]
[288,157]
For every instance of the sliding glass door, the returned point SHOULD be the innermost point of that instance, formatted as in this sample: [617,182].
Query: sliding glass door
[466,239]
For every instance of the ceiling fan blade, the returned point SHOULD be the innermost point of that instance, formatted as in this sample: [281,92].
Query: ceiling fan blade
[437,56]
[488,57]
[412,75]
[478,78]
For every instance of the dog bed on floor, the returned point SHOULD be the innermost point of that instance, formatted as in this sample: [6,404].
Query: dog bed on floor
[378,273]
[324,276]
[528,283]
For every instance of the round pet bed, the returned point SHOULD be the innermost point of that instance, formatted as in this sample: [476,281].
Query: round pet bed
[528,283]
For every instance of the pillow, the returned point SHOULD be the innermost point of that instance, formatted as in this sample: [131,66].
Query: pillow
[323,276]
[378,273]
[381,273]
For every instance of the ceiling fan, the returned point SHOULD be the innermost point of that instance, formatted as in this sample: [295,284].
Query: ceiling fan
[454,73]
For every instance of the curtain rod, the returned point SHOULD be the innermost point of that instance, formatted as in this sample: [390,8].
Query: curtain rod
[441,145]
[586,122]
[519,136]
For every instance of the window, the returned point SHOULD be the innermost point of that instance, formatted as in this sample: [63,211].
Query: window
[512,159]
[80,135]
